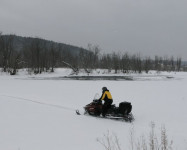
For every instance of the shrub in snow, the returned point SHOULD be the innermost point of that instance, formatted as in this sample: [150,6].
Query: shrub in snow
[151,142]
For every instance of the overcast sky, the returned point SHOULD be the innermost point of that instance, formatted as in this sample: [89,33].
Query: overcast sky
[148,27]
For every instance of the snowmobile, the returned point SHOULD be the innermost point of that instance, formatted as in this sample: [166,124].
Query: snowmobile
[123,112]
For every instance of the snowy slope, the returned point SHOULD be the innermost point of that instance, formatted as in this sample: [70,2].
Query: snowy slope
[39,114]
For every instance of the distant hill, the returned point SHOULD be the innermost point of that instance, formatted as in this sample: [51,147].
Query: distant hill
[20,41]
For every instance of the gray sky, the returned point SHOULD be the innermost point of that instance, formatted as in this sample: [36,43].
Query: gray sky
[148,27]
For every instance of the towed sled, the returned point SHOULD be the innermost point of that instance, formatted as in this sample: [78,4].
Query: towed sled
[123,112]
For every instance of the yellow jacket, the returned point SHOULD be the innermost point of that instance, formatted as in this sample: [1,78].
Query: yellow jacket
[106,96]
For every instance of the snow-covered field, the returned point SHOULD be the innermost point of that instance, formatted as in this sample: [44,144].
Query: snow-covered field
[37,112]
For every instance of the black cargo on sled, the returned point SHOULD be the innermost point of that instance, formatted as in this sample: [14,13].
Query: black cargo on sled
[125,108]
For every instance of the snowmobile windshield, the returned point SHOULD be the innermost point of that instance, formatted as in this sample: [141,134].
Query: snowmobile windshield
[96,97]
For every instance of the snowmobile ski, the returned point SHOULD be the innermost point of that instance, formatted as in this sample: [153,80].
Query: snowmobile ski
[77,112]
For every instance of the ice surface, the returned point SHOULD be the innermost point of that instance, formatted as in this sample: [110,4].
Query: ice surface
[40,114]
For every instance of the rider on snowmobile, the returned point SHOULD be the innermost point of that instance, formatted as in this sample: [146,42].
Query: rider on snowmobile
[107,97]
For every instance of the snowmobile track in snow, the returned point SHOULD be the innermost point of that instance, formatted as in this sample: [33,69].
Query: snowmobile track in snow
[37,102]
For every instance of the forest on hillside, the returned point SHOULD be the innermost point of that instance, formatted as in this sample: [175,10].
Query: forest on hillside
[39,55]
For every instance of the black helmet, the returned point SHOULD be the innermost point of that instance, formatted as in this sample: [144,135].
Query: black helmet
[104,88]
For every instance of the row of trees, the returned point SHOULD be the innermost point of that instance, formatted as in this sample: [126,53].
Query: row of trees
[8,57]
[40,55]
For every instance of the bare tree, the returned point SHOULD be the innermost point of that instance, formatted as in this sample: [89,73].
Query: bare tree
[95,50]
[1,49]
[125,63]
[158,63]
[14,62]
[53,56]
[172,64]
[136,63]
[86,60]
[179,60]
[147,64]
[116,61]
[106,62]
[6,50]
[75,70]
